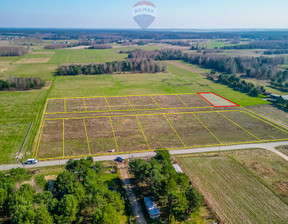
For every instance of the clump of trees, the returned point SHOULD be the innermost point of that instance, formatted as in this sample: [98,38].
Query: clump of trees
[263,44]
[100,46]
[13,51]
[135,66]
[240,84]
[79,195]
[22,83]
[171,190]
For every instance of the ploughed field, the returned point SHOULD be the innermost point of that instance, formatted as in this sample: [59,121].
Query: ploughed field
[82,126]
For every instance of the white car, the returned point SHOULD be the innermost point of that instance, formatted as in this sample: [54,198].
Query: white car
[31,161]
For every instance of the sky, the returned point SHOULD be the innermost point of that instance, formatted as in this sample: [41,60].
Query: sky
[171,14]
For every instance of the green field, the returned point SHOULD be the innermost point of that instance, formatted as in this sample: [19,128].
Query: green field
[234,193]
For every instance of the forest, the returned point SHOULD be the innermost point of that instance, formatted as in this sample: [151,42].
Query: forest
[135,66]
[171,190]
[79,195]
[21,83]
[264,44]
[239,84]
[253,67]
[13,51]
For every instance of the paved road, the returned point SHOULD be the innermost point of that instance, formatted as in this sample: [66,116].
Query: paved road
[269,146]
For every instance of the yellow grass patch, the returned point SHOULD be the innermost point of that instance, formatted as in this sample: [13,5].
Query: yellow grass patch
[32,60]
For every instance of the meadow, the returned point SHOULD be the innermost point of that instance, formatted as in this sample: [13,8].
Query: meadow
[234,193]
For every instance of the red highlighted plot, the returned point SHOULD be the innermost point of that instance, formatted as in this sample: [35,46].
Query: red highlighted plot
[217,101]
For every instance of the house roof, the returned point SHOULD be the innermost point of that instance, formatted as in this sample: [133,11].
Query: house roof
[151,206]
[177,168]
[285,97]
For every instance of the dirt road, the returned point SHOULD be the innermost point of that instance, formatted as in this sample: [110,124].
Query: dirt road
[134,203]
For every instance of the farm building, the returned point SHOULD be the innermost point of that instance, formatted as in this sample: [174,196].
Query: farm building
[177,168]
[152,208]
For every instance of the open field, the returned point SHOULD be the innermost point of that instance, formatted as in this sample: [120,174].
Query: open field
[235,194]
[69,129]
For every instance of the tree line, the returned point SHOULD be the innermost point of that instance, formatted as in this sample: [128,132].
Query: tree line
[171,190]
[22,83]
[13,51]
[238,84]
[252,67]
[79,195]
[135,66]
[264,44]
[100,46]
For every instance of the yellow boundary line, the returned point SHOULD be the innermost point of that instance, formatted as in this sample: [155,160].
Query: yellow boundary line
[103,154]
[129,102]
[239,126]
[127,110]
[63,138]
[143,133]
[65,105]
[265,121]
[207,129]
[87,136]
[174,130]
[114,135]
[133,115]
[265,118]
[181,100]
[39,130]
[57,98]
[197,112]
[155,102]
[107,103]
[84,104]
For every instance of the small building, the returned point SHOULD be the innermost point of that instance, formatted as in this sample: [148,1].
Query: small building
[152,208]
[177,168]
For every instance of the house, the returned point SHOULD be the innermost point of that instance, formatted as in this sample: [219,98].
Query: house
[152,208]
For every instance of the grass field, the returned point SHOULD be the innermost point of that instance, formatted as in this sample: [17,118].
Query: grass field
[235,194]
[283,149]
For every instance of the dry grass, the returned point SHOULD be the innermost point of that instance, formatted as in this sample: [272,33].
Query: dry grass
[119,103]
[100,135]
[223,129]
[55,105]
[142,102]
[75,138]
[194,100]
[128,134]
[32,60]
[51,144]
[159,133]
[191,131]
[73,105]
[168,101]
[257,127]
[233,192]
[96,104]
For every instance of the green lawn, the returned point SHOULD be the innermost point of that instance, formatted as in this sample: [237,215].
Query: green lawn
[177,80]
[85,56]
[19,108]
[45,71]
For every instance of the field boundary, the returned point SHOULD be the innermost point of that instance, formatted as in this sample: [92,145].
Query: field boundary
[143,132]
[235,104]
